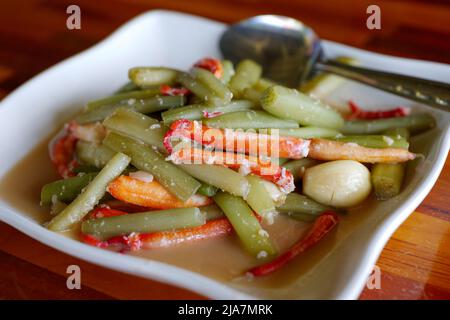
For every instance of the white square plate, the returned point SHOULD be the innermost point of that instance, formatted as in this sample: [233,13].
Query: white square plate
[30,114]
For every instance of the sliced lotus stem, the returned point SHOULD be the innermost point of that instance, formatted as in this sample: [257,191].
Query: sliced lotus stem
[244,163]
[321,149]
[151,194]
[237,141]
[62,152]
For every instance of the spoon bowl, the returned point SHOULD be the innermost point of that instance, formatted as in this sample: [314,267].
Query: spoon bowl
[285,48]
[290,52]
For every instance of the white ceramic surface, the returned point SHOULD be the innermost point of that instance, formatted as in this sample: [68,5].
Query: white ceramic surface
[39,106]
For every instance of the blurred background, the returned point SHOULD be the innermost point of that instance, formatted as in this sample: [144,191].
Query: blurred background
[34,36]
[33,33]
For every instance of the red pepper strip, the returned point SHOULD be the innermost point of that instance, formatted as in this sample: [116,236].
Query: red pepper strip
[266,170]
[358,113]
[136,241]
[171,91]
[323,224]
[212,65]
[229,140]
[62,153]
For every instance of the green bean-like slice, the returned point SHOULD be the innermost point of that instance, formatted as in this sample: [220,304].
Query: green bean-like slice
[228,71]
[291,104]
[260,200]
[213,84]
[65,190]
[144,222]
[91,195]
[93,154]
[302,208]
[138,126]
[247,74]
[376,141]
[145,158]
[309,132]
[415,123]
[298,167]
[122,98]
[253,237]
[197,112]
[251,119]
[145,77]
[220,177]
[148,105]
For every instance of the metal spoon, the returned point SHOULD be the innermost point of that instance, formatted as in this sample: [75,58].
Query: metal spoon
[290,52]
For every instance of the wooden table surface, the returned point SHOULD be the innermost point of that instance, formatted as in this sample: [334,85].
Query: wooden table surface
[415,263]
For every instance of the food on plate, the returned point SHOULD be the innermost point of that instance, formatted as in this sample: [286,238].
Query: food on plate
[180,157]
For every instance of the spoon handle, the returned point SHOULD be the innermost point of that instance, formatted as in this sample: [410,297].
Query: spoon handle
[433,93]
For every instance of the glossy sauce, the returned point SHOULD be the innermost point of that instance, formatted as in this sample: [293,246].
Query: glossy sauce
[222,259]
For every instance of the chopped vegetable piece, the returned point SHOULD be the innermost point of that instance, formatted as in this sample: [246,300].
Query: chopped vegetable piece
[93,154]
[376,141]
[91,195]
[172,219]
[228,71]
[291,104]
[146,159]
[387,179]
[250,119]
[130,86]
[122,98]
[151,194]
[212,212]
[321,149]
[138,126]
[309,132]
[255,239]
[260,200]
[65,190]
[321,227]
[247,74]
[202,91]
[197,112]
[302,208]
[145,77]
[207,190]
[213,84]
[148,105]
[415,123]
[220,177]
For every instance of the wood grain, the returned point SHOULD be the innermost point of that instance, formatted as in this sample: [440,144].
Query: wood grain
[415,263]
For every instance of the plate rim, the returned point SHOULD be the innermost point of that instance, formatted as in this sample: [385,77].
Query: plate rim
[197,282]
